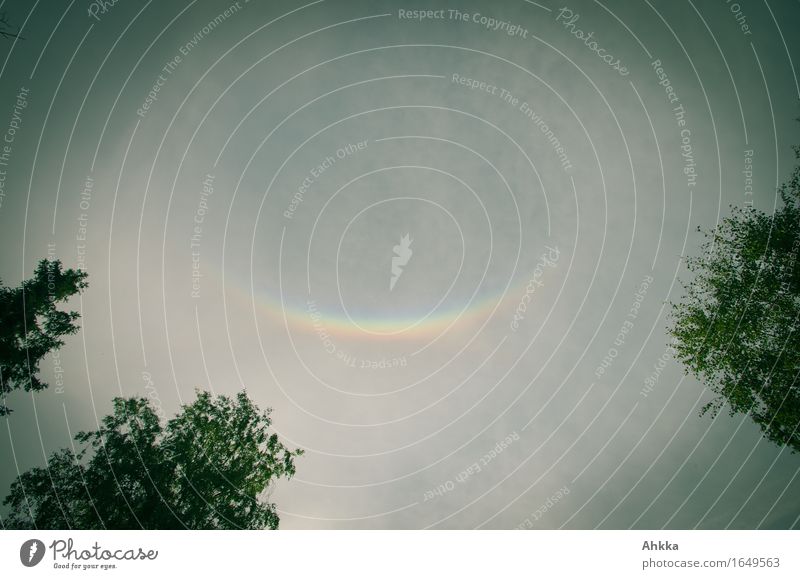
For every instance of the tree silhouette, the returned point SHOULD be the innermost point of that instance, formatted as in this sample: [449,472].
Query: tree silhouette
[5,28]
[31,326]
[210,467]
[738,324]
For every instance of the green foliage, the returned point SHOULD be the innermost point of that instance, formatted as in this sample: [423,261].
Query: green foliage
[31,326]
[210,467]
[738,325]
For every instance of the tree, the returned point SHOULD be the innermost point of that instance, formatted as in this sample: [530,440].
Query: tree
[737,327]
[210,467]
[5,28]
[31,326]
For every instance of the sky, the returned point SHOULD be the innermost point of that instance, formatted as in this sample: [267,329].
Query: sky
[438,239]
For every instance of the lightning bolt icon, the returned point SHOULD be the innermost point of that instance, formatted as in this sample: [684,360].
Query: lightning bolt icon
[402,253]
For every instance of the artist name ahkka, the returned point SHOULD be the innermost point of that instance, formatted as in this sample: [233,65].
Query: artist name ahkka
[659,546]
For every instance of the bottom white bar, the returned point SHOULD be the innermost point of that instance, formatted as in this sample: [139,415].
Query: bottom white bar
[390,554]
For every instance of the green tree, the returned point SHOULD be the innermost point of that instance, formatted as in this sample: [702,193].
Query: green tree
[737,327]
[31,326]
[210,467]
[6,28]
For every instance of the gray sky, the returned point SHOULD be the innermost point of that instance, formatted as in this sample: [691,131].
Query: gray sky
[287,151]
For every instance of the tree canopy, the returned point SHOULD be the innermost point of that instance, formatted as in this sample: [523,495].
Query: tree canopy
[210,467]
[737,326]
[6,28]
[31,325]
